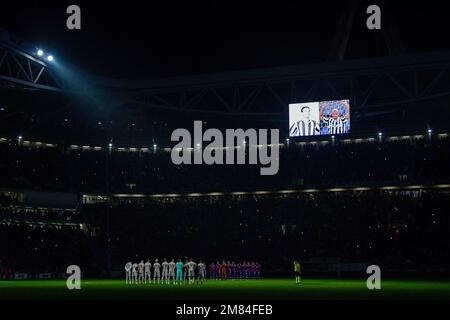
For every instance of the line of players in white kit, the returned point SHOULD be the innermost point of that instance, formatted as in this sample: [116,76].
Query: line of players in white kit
[165,272]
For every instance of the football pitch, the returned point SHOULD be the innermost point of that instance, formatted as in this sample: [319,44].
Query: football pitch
[267,289]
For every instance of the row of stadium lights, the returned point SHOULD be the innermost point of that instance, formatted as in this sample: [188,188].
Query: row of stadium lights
[110,145]
[380,135]
[41,53]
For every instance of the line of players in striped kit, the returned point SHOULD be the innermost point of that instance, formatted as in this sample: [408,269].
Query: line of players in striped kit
[189,271]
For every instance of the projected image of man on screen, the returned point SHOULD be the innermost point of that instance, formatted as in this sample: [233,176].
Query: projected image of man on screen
[306,121]
[334,117]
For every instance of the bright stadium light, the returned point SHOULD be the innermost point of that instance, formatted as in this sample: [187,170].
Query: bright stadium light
[40,52]
[50,58]
[430,131]
[380,134]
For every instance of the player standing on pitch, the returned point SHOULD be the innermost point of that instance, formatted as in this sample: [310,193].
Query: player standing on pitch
[212,271]
[297,272]
[191,271]
[148,272]
[223,270]
[172,266]
[156,272]
[201,271]
[233,270]
[141,272]
[134,277]
[128,267]
[218,270]
[179,266]
[185,269]
[165,272]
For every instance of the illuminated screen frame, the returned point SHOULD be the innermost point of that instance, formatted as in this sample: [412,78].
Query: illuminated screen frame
[319,118]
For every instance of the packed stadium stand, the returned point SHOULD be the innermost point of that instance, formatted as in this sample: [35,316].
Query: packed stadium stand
[334,203]
[417,159]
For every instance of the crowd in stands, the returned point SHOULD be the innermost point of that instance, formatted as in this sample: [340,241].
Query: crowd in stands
[397,230]
[42,249]
[401,231]
[419,161]
[20,213]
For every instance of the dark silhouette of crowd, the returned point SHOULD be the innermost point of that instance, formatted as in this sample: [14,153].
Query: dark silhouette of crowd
[404,230]
[403,161]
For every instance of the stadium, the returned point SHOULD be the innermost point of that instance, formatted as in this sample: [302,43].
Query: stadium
[88,177]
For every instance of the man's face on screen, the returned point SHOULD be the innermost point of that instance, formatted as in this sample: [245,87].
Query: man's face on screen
[335,114]
[306,113]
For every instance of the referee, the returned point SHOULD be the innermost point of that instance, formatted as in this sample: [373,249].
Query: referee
[297,272]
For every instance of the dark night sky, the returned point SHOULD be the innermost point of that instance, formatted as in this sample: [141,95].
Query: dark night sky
[139,39]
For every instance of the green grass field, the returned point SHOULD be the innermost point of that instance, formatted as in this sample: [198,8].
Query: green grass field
[274,289]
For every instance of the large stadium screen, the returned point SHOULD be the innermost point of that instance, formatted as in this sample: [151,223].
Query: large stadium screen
[319,118]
